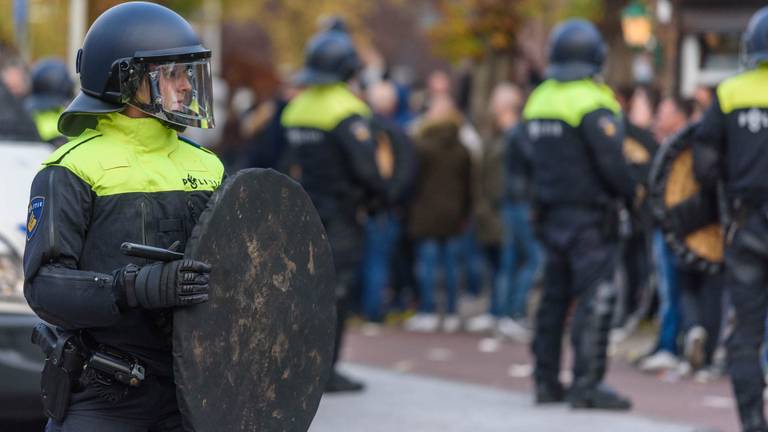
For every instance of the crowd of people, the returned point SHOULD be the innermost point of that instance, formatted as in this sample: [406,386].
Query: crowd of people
[463,223]
[457,228]
[426,215]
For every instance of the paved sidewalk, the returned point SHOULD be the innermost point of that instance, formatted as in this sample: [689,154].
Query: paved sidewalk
[397,401]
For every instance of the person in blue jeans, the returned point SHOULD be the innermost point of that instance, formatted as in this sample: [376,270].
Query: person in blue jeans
[433,255]
[381,233]
[438,212]
[521,258]
[502,211]
[665,354]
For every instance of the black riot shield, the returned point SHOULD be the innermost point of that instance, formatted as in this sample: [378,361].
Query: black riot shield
[257,355]
[689,216]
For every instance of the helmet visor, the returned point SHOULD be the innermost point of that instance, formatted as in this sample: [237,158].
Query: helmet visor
[177,92]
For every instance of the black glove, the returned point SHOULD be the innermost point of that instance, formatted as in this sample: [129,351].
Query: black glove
[162,285]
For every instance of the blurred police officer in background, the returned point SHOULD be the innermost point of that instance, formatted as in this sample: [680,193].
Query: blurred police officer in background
[731,146]
[331,153]
[52,89]
[579,173]
[125,175]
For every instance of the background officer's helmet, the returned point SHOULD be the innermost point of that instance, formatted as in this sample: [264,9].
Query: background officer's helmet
[52,87]
[145,55]
[576,51]
[755,39]
[329,57]
[333,23]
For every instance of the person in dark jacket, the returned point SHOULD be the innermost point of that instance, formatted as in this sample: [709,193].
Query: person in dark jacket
[731,147]
[125,175]
[395,162]
[502,212]
[439,211]
[331,153]
[579,174]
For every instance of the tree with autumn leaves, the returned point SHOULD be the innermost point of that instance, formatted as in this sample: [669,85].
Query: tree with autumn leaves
[458,28]
[477,28]
[488,33]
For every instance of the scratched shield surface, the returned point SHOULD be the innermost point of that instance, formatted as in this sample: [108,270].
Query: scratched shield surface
[256,356]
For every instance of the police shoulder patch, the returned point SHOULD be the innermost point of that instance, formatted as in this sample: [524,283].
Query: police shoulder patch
[360,131]
[34,215]
[608,126]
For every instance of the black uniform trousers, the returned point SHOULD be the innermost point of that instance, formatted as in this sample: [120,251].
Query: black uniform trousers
[152,407]
[580,266]
[346,239]
[746,276]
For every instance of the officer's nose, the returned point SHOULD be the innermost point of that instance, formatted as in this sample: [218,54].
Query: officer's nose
[183,84]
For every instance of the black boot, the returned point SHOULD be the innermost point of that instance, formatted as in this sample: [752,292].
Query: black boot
[339,383]
[753,418]
[598,397]
[548,392]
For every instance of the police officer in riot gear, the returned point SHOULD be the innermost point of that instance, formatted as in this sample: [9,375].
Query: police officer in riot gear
[52,89]
[331,153]
[579,173]
[125,175]
[731,146]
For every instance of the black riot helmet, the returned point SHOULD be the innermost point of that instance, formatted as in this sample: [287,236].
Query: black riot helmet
[330,57]
[576,51]
[147,56]
[333,23]
[52,87]
[755,39]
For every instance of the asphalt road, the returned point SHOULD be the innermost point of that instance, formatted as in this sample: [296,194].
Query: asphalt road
[396,365]
[398,401]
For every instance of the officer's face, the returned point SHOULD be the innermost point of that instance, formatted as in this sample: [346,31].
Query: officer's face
[173,83]
[175,87]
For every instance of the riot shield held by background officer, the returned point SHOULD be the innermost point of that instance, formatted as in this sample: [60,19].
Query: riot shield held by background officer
[579,173]
[731,147]
[125,175]
[331,153]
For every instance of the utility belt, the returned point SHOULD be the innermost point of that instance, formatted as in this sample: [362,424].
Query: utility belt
[72,362]
[613,218]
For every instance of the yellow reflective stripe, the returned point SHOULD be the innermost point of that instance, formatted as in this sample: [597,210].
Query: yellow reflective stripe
[569,101]
[323,107]
[111,168]
[747,90]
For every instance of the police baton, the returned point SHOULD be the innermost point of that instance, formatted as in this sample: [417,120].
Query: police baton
[151,252]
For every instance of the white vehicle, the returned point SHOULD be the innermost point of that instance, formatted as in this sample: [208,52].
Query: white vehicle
[21,153]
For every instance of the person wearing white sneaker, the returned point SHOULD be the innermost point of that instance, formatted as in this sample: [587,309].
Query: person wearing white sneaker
[440,205]
[451,323]
[481,324]
[701,296]
[659,361]
[516,330]
[422,322]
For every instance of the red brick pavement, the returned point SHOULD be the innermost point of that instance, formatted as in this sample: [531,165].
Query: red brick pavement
[458,357]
